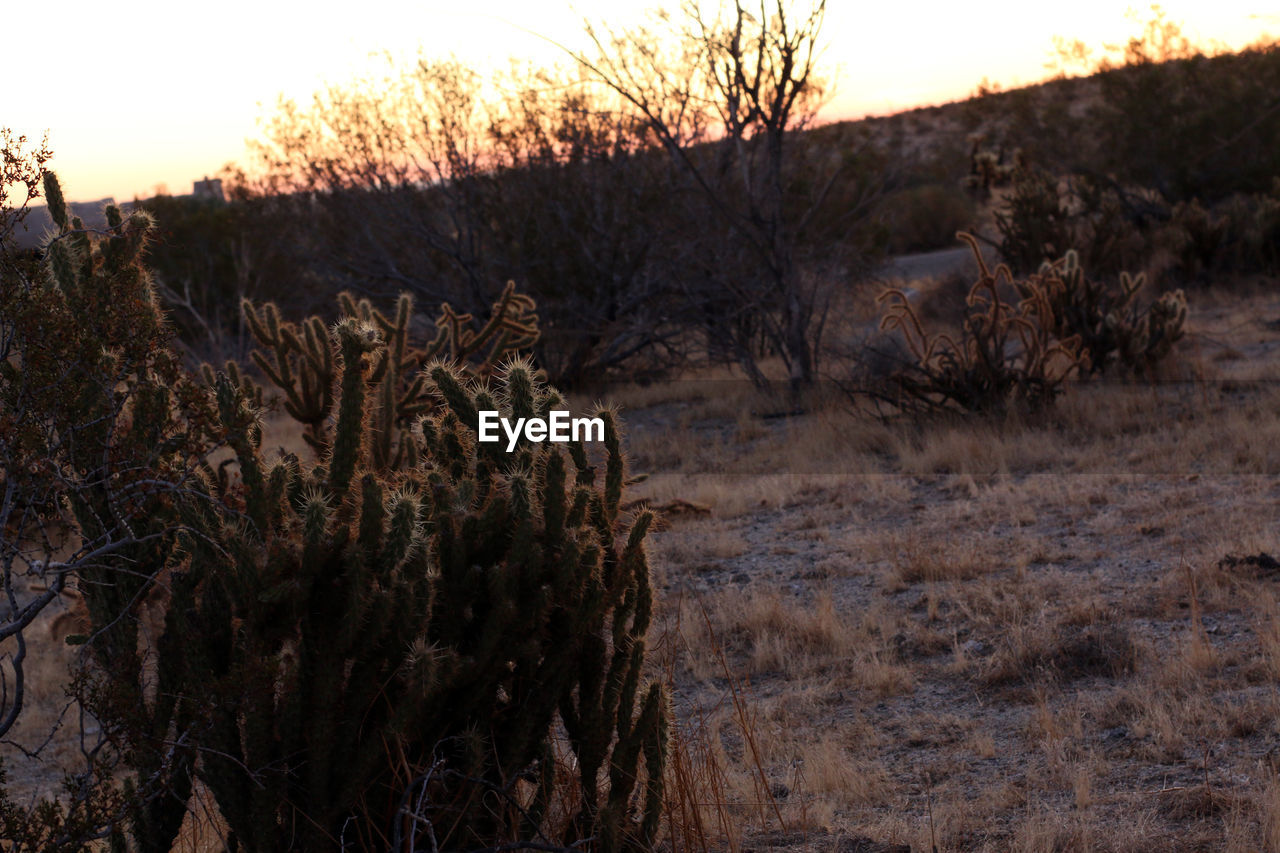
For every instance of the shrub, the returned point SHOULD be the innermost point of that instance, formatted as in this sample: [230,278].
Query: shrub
[1044,216]
[100,433]
[1167,163]
[207,255]
[1186,124]
[1239,235]
[51,826]
[924,218]
[1113,228]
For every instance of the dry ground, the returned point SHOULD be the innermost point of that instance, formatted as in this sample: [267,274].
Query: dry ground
[986,635]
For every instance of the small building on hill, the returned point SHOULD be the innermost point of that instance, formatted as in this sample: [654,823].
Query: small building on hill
[209,188]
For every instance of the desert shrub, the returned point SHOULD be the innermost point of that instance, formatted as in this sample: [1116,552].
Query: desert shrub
[534,179]
[100,434]
[1186,123]
[72,824]
[1045,215]
[100,431]
[1107,319]
[1113,228]
[206,255]
[1006,354]
[1034,223]
[1167,162]
[648,204]
[1238,235]
[923,218]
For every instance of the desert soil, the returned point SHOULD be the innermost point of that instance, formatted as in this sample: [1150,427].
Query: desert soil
[1009,634]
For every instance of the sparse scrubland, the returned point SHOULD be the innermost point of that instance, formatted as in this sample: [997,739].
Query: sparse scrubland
[965,551]
[1007,632]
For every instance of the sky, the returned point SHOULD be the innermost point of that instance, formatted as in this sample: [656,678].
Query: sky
[146,95]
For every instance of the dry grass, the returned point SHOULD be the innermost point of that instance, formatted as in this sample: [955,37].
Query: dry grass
[1005,634]
[992,635]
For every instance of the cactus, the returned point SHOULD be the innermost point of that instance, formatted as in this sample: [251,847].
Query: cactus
[407,624]
[301,363]
[1006,354]
[988,167]
[1107,319]
[1064,325]
[414,627]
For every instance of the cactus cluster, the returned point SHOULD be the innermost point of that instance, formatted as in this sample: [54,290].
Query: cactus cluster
[1107,318]
[300,362]
[416,639]
[441,637]
[1006,354]
[1064,325]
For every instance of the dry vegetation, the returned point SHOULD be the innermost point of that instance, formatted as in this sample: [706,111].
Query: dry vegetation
[1030,631]
[983,633]
[1002,634]
[1012,633]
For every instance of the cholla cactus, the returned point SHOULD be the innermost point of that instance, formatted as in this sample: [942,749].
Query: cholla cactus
[361,639]
[416,633]
[988,168]
[1107,318]
[301,362]
[1063,326]
[1006,354]
[1158,330]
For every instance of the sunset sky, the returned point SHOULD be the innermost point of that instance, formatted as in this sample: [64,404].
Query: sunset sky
[136,95]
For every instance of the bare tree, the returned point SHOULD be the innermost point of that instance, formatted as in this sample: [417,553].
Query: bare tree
[436,182]
[660,185]
[727,97]
[585,223]
[390,172]
[22,172]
